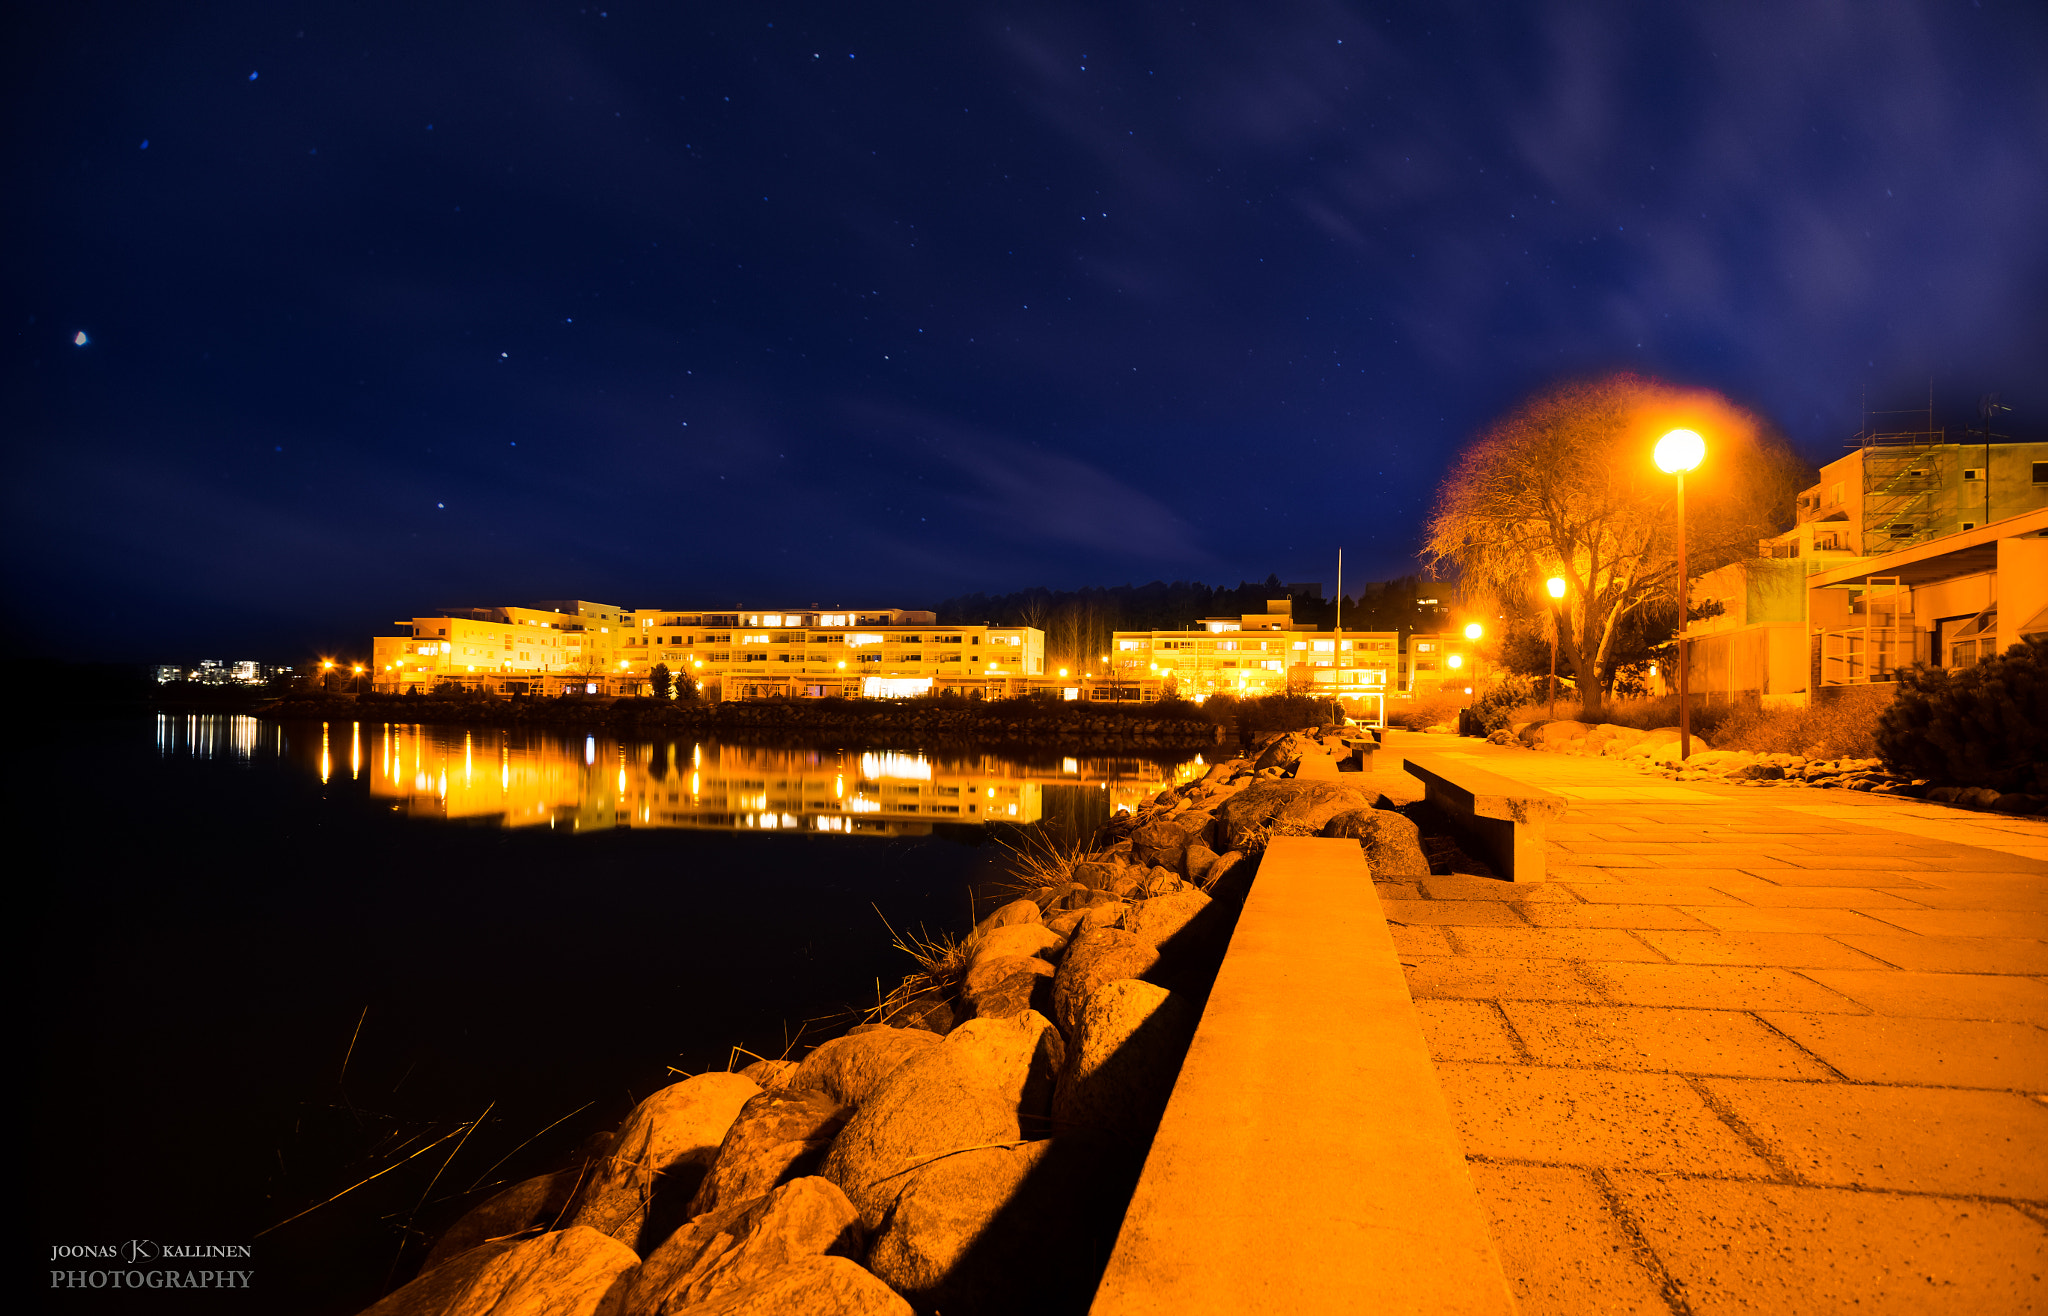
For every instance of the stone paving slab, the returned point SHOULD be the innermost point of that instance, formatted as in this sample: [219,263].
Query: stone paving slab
[1942,1140]
[1793,1249]
[1967,1053]
[1754,1051]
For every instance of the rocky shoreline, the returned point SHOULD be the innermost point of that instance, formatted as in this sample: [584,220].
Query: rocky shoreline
[971,1148]
[931,723]
[1657,751]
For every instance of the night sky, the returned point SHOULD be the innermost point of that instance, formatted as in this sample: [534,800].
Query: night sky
[401,306]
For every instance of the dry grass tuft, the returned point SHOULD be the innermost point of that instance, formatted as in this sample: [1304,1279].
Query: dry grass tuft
[1844,728]
[1039,859]
[1253,840]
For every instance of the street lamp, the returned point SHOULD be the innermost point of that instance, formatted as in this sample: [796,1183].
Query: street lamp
[1678,452]
[1556,587]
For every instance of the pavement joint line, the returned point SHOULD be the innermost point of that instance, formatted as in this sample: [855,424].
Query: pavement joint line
[1689,1074]
[1797,1046]
[2031,1205]
[1514,1034]
[1669,1287]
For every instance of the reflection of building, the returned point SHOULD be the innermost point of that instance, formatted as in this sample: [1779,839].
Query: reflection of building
[582,783]
[1253,654]
[597,648]
[212,671]
[1911,549]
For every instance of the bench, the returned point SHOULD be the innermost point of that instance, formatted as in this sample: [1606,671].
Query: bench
[1497,818]
[1307,1161]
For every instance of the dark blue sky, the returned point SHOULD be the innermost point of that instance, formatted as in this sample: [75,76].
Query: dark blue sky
[411,305]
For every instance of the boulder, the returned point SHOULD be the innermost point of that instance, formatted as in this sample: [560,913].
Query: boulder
[1161,842]
[1006,986]
[1195,861]
[1392,843]
[1065,924]
[1125,1056]
[1093,958]
[965,1092]
[1017,939]
[438,1286]
[1105,915]
[717,1256]
[943,1211]
[815,1286]
[1220,871]
[1552,734]
[1017,911]
[1284,753]
[777,1137]
[1097,873]
[1152,922]
[663,1147]
[1296,807]
[770,1074]
[848,1068]
[566,1273]
[534,1204]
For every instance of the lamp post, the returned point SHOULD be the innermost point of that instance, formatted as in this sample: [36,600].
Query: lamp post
[1555,588]
[1678,452]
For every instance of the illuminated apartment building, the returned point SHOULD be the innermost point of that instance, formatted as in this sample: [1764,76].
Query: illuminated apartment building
[1252,654]
[597,648]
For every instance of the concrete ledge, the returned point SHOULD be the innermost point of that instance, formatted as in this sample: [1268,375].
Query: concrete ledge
[1306,1161]
[1498,817]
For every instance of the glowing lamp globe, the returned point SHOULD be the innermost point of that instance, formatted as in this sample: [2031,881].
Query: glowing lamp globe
[1556,586]
[1457,661]
[1474,631]
[1680,450]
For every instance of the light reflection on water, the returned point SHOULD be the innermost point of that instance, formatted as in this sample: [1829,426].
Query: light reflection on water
[519,777]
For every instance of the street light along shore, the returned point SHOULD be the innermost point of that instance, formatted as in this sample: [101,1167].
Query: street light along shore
[1678,452]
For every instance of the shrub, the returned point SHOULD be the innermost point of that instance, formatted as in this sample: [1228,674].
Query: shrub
[1494,705]
[1974,726]
[1845,727]
[1426,711]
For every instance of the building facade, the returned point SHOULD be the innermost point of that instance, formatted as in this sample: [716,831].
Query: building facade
[1250,655]
[1906,551]
[578,646]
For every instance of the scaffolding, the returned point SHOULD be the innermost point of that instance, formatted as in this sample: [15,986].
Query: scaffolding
[1905,489]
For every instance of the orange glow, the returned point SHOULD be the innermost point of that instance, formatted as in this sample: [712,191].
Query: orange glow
[1680,450]
[1556,587]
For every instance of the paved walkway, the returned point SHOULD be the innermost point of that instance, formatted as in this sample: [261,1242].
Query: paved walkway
[1749,1050]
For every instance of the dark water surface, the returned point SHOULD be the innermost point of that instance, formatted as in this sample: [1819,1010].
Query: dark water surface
[270,962]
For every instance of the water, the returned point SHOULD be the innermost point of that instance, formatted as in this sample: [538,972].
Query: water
[274,960]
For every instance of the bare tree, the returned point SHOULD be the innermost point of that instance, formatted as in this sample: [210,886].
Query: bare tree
[1565,485]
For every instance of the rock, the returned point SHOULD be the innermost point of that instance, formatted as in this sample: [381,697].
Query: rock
[1221,869]
[816,1286]
[566,1273]
[778,1136]
[1501,737]
[1093,958]
[848,1068]
[1195,862]
[719,1255]
[1284,753]
[1161,842]
[942,1212]
[1977,797]
[1392,843]
[965,1092]
[534,1204]
[1005,916]
[438,1286]
[1161,882]
[676,1131]
[1065,924]
[1007,985]
[770,1074]
[2017,802]
[1017,939]
[1295,807]
[1106,915]
[1097,873]
[1121,1068]
[1152,922]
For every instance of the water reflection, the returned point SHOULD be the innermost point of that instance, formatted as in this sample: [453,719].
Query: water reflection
[527,778]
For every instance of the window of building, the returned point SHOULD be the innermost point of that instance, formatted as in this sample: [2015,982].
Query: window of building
[1902,530]
[1973,473]
[2041,472]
